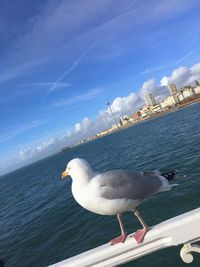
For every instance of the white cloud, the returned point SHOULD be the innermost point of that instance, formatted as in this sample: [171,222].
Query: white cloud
[126,104]
[25,153]
[42,149]
[119,106]
[77,127]
[164,81]
[150,87]
[83,127]
[182,76]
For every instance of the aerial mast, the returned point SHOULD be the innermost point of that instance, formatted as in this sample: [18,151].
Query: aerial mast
[108,104]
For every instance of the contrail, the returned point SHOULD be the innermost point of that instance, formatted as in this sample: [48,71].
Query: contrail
[171,64]
[79,59]
[75,64]
[184,57]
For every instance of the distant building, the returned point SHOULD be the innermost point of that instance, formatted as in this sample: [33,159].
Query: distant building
[197,83]
[120,122]
[197,89]
[150,100]
[106,131]
[174,92]
[145,110]
[156,108]
[124,120]
[168,101]
[187,92]
[137,115]
[173,89]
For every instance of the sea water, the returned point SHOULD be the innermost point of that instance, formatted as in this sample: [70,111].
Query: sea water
[41,224]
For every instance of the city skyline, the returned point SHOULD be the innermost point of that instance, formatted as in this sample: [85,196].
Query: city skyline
[178,98]
[62,61]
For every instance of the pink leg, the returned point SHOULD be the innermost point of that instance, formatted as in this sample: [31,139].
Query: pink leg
[122,237]
[140,234]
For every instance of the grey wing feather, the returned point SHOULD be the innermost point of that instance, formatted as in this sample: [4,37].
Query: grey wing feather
[130,185]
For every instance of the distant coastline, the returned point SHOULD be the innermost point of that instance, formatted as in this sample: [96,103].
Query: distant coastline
[176,107]
[67,148]
[170,109]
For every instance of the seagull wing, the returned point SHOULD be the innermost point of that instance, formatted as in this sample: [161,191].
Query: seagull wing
[120,184]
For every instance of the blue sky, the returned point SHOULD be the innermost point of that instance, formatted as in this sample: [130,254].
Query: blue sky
[61,61]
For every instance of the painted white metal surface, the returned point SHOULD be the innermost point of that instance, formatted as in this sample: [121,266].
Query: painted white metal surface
[183,229]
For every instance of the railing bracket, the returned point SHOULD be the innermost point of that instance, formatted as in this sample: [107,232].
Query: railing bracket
[186,252]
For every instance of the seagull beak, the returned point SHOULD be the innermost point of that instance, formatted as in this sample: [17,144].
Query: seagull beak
[64,174]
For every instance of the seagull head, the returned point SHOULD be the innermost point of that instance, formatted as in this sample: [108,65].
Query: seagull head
[78,168]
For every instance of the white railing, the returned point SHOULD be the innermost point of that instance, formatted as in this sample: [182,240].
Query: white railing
[183,229]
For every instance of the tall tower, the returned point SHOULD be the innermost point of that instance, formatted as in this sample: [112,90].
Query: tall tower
[150,100]
[108,104]
[173,89]
[196,83]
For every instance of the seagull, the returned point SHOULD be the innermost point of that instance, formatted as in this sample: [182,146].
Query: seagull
[115,192]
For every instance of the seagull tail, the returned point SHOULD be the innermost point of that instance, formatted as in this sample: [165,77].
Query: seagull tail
[169,175]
